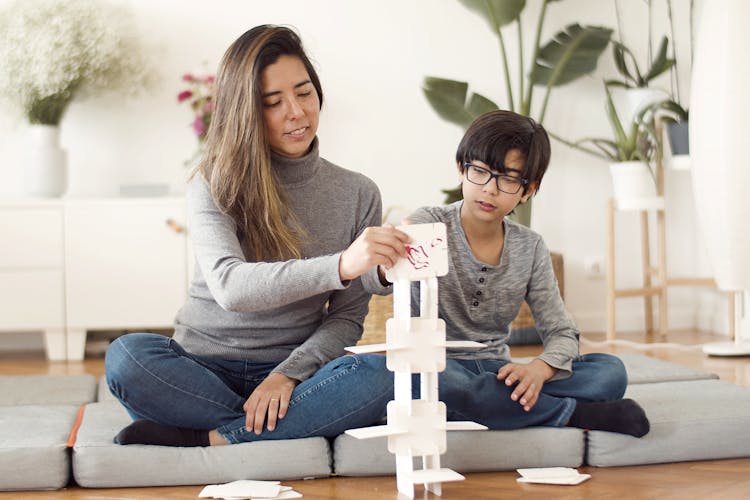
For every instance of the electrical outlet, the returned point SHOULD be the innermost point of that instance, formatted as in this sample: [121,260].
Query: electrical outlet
[593,267]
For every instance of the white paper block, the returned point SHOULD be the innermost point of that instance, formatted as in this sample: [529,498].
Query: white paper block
[464,426]
[551,475]
[376,431]
[435,476]
[425,428]
[422,342]
[243,488]
[457,344]
[427,253]
[370,348]
[573,480]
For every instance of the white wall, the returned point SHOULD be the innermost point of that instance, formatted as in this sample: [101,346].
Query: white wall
[372,57]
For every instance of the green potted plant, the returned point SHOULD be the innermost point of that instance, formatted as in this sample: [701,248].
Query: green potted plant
[637,83]
[570,54]
[630,152]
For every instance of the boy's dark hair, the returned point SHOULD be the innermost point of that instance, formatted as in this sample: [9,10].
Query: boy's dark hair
[490,137]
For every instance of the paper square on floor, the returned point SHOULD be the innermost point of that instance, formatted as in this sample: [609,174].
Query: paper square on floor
[427,253]
[246,488]
[552,475]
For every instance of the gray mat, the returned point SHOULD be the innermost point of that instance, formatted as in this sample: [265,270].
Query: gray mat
[33,446]
[99,463]
[645,370]
[47,389]
[692,420]
[470,451]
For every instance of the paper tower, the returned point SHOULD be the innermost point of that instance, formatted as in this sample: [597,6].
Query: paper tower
[417,427]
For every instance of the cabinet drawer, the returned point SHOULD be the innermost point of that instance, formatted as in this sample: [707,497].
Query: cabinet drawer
[125,266]
[31,300]
[32,238]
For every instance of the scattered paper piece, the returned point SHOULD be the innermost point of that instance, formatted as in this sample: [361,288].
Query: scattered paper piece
[552,475]
[246,489]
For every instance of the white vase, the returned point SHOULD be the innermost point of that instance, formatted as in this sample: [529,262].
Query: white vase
[45,169]
[633,186]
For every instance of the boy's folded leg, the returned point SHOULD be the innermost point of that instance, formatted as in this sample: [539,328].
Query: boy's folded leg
[624,416]
[147,432]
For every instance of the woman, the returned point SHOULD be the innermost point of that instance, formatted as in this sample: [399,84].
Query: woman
[274,299]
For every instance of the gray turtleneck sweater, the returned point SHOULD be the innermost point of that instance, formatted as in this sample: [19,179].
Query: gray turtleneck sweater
[296,313]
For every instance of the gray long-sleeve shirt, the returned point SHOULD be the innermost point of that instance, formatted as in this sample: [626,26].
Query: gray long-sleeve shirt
[297,312]
[478,301]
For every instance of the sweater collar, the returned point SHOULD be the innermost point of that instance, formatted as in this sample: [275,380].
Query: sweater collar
[296,171]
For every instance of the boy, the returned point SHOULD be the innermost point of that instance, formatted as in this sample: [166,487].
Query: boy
[496,264]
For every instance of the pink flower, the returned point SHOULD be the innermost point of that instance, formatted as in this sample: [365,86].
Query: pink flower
[198,127]
[200,97]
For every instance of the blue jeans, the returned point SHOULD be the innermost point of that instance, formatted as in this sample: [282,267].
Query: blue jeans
[471,391]
[155,379]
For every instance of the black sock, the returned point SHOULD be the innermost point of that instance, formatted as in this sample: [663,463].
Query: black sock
[147,432]
[623,415]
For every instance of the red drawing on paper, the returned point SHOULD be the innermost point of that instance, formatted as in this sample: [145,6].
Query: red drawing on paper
[418,256]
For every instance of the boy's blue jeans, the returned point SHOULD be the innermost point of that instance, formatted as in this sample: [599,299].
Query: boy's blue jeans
[471,391]
[156,379]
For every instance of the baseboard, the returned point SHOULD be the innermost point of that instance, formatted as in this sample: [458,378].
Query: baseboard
[710,315]
[21,341]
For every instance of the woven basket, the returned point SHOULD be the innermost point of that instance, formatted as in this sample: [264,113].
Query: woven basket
[381,308]
[525,319]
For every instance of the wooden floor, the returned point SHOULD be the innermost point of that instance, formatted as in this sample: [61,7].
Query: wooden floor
[719,479]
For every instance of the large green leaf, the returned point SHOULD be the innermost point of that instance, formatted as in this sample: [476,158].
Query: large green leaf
[661,63]
[497,13]
[572,53]
[448,99]
[621,138]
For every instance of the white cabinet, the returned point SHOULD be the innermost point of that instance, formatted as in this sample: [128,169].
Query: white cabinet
[125,265]
[31,271]
[116,263]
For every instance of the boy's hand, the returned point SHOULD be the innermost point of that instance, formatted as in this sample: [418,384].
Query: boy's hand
[381,246]
[530,379]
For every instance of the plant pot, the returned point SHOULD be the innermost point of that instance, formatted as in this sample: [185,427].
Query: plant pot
[45,173]
[631,101]
[633,186]
[679,138]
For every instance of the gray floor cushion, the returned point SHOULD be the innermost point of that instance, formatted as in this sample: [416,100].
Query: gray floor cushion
[102,392]
[469,451]
[99,463]
[47,389]
[692,420]
[33,446]
[644,370]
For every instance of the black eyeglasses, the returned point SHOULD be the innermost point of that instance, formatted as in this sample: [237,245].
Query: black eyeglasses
[505,183]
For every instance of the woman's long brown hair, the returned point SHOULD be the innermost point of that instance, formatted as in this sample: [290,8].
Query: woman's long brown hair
[237,164]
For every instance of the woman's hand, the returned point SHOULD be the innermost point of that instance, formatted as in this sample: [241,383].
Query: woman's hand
[530,378]
[381,246]
[270,398]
